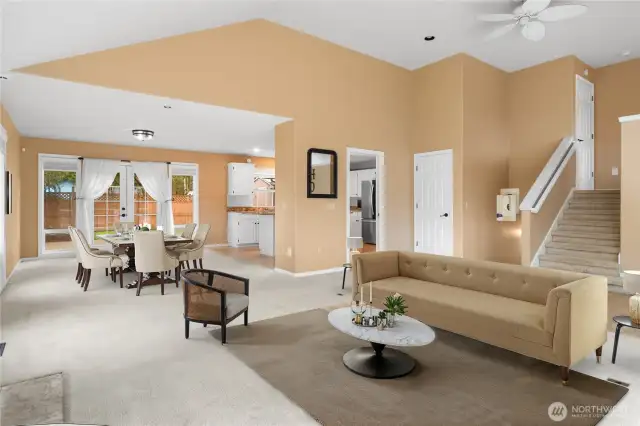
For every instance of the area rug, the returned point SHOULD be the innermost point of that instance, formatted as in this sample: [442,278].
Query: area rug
[458,381]
[32,402]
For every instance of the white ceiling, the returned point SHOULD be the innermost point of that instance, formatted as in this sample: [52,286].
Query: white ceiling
[392,30]
[49,108]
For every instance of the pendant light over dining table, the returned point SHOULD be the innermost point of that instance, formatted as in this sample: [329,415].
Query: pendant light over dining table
[142,134]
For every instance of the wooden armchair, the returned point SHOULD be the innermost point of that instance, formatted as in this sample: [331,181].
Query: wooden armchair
[212,297]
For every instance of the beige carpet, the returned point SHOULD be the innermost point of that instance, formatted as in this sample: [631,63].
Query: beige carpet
[35,401]
[458,381]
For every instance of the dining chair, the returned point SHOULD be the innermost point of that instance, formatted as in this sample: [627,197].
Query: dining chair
[192,252]
[76,250]
[92,260]
[188,230]
[213,297]
[152,257]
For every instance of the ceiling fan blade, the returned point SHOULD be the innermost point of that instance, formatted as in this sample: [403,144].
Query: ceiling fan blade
[558,13]
[500,31]
[497,17]
[535,6]
[534,31]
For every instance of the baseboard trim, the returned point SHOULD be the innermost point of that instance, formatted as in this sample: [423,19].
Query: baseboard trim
[309,273]
[216,245]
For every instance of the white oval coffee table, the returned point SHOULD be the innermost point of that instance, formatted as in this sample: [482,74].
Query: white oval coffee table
[376,362]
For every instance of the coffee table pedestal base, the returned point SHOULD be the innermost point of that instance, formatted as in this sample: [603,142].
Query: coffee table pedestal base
[379,363]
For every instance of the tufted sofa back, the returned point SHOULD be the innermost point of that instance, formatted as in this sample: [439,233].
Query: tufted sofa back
[512,281]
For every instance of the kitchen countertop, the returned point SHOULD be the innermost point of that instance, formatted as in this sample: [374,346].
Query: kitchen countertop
[252,210]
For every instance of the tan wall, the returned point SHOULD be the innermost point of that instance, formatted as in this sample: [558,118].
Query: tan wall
[536,226]
[286,207]
[617,95]
[486,163]
[438,124]
[12,221]
[338,98]
[212,180]
[630,201]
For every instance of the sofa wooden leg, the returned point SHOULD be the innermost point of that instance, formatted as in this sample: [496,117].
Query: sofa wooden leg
[186,329]
[564,374]
[599,354]
[224,333]
[246,317]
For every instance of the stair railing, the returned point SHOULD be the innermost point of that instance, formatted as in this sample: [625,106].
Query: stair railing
[543,185]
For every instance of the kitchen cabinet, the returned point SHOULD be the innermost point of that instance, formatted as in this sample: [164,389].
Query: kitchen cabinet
[240,178]
[266,238]
[242,229]
[355,224]
[356,177]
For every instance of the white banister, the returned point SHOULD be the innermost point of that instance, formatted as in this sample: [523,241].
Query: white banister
[543,185]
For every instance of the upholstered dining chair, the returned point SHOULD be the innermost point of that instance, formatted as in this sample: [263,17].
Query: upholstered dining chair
[188,230]
[213,297]
[193,252]
[92,260]
[75,244]
[152,257]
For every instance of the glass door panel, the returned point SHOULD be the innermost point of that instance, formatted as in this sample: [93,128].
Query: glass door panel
[59,209]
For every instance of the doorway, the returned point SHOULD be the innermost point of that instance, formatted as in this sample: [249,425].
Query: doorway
[584,134]
[366,195]
[433,198]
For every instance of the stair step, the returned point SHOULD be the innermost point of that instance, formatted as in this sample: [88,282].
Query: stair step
[596,191]
[588,241]
[613,257]
[594,206]
[560,232]
[592,217]
[573,210]
[596,230]
[577,260]
[590,223]
[584,247]
[593,270]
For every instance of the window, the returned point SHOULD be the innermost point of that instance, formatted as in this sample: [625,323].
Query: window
[184,190]
[106,210]
[57,201]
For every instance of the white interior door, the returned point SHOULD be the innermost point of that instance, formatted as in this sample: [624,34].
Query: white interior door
[381,196]
[433,194]
[584,133]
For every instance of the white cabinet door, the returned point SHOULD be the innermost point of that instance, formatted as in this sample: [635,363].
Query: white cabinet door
[240,178]
[247,229]
[354,184]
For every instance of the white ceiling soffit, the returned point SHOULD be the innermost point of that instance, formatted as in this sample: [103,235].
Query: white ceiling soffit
[392,30]
[361,158]
[56,109]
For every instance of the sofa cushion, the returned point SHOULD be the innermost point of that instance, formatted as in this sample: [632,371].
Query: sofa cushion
[513,281]
[376,266]
[495,314]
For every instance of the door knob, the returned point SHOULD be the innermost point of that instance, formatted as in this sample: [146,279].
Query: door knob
[123,215]
[444,215]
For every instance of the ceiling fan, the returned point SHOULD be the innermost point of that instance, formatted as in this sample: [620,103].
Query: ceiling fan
[530,17]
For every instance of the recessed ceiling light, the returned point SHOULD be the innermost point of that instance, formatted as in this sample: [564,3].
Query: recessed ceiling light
[256,149]
[626,53]
[167,106]
[430,38]
[142,134]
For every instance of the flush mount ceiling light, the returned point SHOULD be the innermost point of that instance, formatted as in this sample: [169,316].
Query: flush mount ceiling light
[167,106]
[429,38]
[256,150]
[143,135]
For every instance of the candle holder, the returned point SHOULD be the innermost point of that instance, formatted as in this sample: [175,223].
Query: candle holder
[363,314]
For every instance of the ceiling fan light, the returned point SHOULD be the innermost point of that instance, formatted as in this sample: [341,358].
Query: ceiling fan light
[142,134]
[534,31]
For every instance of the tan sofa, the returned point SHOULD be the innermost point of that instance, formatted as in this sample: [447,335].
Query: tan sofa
[555,316]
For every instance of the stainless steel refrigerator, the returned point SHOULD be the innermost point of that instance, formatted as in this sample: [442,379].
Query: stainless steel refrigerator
[368,195]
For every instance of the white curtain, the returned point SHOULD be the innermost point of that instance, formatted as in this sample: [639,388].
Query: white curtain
[95,178]
[156,180]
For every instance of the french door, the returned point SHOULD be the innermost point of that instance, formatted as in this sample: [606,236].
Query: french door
[433,197]
[125,201]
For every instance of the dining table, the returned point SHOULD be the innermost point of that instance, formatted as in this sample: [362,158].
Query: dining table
[125,241]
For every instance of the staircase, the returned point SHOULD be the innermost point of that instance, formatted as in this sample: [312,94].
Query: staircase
[587,236]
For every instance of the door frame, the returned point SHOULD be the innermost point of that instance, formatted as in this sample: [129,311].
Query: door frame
[579,80]
[416,157]
[3,228]
[381,212]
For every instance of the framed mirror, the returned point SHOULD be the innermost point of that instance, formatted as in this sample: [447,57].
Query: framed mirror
[322,173]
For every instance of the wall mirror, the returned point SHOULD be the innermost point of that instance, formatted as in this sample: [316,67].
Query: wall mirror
[322,173]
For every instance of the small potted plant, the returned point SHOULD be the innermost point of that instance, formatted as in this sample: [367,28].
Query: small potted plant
[395,305]
[382,320]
